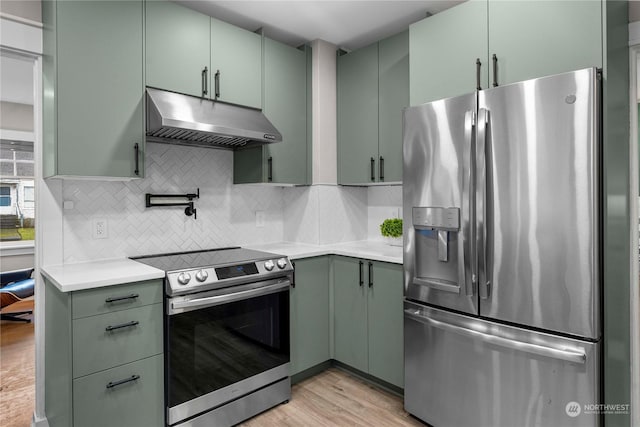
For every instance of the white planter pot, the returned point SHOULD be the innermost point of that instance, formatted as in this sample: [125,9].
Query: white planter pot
[393,241]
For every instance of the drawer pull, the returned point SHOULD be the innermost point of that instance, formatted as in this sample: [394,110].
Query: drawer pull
[113,384]
[124,325]
[116,299]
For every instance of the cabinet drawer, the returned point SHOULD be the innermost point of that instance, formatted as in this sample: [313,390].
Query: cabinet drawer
[115,298]
[112,339]
[136,403]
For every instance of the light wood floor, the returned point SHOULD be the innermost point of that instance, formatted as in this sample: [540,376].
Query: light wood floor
[336,398]
[17,375]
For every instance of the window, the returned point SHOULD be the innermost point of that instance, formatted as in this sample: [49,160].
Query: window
[29,194]
[5,196]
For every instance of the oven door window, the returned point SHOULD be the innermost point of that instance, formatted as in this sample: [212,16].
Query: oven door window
[213,347]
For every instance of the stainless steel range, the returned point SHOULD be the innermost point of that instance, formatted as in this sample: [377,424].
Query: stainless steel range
[226,334]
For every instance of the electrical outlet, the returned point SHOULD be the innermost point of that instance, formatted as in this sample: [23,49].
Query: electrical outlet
[99,228]
[260,217]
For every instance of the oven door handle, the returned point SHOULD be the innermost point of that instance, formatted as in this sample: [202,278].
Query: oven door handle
[203,302]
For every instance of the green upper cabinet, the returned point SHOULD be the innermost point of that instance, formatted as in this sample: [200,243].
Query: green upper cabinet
[533,39]
[443,50]
[310,314]
[358,116]
[192,53]
[286,82]
[528,39]
[373,88]
[393,97]
[177,47]
[93,89]
[236,65]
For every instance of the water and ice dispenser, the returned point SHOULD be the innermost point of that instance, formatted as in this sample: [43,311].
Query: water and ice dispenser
[438,247]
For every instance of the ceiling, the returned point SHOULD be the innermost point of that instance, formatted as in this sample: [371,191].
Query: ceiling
[348,24]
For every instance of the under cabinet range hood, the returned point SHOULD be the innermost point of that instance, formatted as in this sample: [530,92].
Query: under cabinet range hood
[175,118]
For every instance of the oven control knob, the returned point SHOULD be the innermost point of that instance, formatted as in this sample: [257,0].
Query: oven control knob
[269,265]
[201,276]
[183,278]
[282,263]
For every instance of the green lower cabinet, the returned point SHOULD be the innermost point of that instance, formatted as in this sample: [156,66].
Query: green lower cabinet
[105,368]
[386,323]
[310,314]
[350,312]
[130,395]
[368,317]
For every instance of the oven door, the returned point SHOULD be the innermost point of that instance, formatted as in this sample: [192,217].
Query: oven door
[224,344]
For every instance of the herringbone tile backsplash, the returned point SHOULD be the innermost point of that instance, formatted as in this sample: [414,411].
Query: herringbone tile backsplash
[319,214]
[226,212]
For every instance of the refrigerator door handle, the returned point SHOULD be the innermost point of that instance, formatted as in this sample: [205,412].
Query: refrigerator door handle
[569,355]
[482,189]
[467,227]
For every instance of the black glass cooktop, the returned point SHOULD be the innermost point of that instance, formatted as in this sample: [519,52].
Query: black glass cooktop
[203,258]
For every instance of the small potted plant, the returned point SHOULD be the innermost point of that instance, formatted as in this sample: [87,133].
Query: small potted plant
[391,229]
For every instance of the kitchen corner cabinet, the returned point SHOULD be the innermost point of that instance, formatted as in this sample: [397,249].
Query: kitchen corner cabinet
[93,106]
[104,356]
[192,53]
[529,39]
[368,317]
[286,82]
[177,47]
[310,314]
[373,88]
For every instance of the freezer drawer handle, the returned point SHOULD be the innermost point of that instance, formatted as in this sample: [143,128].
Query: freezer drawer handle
[440,285]
[554,353]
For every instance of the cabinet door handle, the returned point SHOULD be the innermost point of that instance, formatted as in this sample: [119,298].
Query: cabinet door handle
[373,169]
[136,150]
[370,274]
[270,169]
[293,278]
[116,299]
[495,70]
[381,168]
[205,83]
[124,325]
[478,67]
[217,82]
[113,384]
[361,273]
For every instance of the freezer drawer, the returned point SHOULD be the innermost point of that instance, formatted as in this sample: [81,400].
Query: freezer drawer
[462,371]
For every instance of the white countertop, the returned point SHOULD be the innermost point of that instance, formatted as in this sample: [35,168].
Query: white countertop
[377,251]
[96,274]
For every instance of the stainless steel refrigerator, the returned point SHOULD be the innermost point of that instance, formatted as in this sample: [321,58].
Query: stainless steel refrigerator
[502,255]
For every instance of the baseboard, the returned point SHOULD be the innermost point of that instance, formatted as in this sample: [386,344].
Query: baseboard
[375,381]
[393,389]
[39,422]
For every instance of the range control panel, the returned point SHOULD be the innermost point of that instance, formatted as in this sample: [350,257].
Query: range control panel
[201,279]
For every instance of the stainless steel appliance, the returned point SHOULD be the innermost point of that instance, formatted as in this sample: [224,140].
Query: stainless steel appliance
[226,334]
[175,118]
[502,255]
